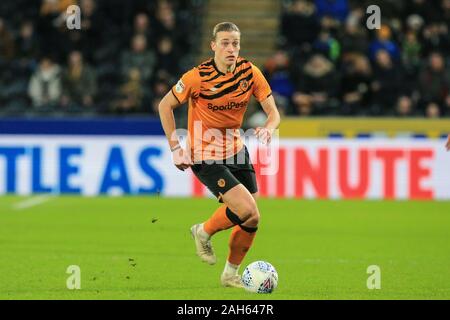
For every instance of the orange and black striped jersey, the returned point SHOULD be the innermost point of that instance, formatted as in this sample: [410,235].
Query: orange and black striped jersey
[217,104]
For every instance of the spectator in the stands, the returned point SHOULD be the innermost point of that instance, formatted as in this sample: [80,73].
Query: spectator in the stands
[45,84]
[52,27]
[428,10]
[404,107]
[167,57]
[409,55]
[445,6]
[79,83]
[384,41]
[432,110]
[436,37]
[93,26]
[316,87]
[299,16]
[354,38]
[91,34]
[434,80]
[166,22]
[27,47]
[387,83]
[28,32]
[131,94]
[327,45]
[334,9]
[139,57]
[277,71]
[355,85]
[92,19]
[142,25]
[6,42]
[411,59]
[160,88]
[414,23]
[411,50]
[332,14]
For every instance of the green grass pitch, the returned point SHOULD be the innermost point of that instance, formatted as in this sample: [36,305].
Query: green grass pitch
[321,249]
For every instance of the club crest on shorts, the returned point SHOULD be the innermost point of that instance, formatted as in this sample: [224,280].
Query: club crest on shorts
[243,85]
[221,183]
[179,86]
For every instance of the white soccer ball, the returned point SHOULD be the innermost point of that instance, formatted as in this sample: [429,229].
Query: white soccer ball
[260,277]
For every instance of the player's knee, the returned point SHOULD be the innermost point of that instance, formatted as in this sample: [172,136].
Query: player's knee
[253,221]
[249,210]
[253,216]
[251,224]
[243,209]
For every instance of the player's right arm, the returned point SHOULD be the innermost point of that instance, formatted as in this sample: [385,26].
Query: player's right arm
[166,106]
[179,94]
[180,157]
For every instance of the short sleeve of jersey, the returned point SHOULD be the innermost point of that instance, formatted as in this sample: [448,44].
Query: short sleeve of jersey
[261,89]
[187,86]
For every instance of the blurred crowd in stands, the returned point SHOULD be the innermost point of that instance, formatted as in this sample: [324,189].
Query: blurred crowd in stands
[330,63]
[126,55]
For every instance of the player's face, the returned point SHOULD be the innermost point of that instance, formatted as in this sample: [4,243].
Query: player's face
[226,47]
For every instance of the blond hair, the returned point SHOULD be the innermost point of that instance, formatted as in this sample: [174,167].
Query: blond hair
[224,26]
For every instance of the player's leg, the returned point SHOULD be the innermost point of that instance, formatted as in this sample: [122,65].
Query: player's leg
[219,180]
[241,202]
[241,239]
[224,181]
[203,232]
[240,242]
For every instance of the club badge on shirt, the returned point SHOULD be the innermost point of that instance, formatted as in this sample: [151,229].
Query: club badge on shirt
[221,183]
[243,85]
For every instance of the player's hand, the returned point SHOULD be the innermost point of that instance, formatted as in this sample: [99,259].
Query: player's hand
[264,135]
[447,145]
[181,159]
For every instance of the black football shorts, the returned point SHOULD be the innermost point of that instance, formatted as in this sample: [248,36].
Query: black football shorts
[221,177]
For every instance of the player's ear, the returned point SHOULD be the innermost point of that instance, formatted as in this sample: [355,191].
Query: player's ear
[213,45]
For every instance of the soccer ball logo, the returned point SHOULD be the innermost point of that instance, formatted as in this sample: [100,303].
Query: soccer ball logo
[260,277]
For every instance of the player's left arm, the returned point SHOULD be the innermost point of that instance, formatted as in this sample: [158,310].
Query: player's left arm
[273,120]
[447,145]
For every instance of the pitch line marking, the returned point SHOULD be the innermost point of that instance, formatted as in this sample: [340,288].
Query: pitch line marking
[31,202]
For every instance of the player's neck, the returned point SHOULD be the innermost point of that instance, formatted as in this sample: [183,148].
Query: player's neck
[223,67]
